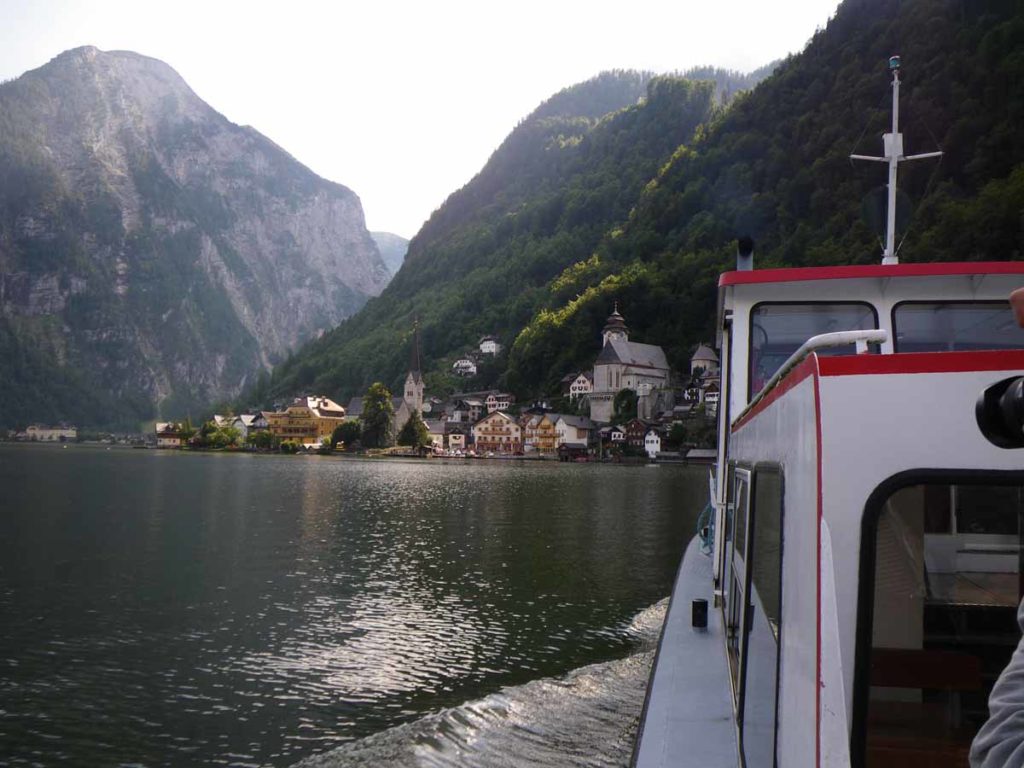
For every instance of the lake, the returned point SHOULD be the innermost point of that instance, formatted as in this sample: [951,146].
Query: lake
[166,608]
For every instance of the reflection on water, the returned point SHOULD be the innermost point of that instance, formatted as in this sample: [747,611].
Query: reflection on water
[168,609]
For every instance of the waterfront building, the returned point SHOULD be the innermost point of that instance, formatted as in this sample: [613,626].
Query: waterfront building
[308,420]
[635,430]
[248,423]
[624,364]
[652,443]
[497,432]
[61,433]
[540,434]
[169,434]
[574,431]
[435,432]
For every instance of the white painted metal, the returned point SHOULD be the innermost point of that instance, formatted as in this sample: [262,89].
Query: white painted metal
[883,293]
[821,341]
[786,433]
[892,145]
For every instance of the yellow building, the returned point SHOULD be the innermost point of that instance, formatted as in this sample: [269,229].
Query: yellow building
[308,420]
[540,434]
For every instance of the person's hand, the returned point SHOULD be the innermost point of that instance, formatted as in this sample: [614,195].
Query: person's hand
[1017,302]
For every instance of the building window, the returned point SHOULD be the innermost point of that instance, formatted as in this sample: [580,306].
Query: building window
[940,586]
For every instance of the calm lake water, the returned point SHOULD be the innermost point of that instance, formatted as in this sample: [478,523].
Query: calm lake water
[160,608]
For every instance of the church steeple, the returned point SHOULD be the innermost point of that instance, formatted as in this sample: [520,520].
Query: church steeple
[414,381]
[615,327]
[414,353]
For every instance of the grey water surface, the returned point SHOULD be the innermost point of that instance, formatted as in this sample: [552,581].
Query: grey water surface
[165,608]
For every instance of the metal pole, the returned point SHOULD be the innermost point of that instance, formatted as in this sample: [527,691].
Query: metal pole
[893,151]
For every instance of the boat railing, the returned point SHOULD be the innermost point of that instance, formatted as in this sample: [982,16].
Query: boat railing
[860,340]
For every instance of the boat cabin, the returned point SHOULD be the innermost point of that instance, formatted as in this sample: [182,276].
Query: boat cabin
[865,570]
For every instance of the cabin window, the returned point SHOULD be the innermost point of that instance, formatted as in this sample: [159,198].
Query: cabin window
[737,574]
[941,582]
[949,326]
[760,698]
[753,606]
[777,330]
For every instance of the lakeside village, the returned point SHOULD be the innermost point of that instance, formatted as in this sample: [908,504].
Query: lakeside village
[629,405]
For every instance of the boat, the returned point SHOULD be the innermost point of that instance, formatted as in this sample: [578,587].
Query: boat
[851,597]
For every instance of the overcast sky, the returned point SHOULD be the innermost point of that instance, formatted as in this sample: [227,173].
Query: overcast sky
[403,101]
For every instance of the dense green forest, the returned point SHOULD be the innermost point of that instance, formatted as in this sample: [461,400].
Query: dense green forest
[776,167]
[485,260]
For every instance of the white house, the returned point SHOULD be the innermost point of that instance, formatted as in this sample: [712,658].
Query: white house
[499,401]
[489,345]
[652,443]
[435,430]
[574,430]
[169,435]
[464,367]
[60,433]
[582,385]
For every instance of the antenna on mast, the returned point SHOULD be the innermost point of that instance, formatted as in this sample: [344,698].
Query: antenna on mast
[892,144]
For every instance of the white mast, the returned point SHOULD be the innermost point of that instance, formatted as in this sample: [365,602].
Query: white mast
[892,144]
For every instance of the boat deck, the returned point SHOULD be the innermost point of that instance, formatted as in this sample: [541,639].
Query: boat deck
[688,717]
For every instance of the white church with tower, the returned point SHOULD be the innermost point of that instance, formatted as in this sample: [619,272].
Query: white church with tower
[624,364]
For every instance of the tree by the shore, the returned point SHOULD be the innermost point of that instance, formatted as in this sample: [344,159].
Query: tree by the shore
[414,433]
[347,434]
[378,417]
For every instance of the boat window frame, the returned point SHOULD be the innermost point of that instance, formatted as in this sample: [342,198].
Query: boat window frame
[874,508]
[737,673]
[758,468]
[892,314]
[791,303]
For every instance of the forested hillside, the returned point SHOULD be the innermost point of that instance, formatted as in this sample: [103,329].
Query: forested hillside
[644,205]
[483,263]
[776,166]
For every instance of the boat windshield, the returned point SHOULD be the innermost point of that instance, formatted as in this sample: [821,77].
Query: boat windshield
[946,583]
[777,330]
[950,326]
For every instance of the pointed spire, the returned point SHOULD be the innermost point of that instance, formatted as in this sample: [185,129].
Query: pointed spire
[414,357]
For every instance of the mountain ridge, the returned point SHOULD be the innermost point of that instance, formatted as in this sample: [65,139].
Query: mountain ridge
[155,256]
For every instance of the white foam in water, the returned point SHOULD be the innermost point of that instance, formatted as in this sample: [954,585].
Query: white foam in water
[585,718]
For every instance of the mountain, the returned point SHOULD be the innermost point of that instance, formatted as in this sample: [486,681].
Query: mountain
[482,263]
[643,204]
[776,166]
[154,256]
[392,249]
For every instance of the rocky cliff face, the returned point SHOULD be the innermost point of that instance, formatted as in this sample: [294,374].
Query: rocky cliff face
[392,249]
[154,256]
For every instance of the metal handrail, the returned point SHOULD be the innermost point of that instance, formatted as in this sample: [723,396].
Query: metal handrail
[821,341]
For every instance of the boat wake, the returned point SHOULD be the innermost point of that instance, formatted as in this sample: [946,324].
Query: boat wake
[587,717]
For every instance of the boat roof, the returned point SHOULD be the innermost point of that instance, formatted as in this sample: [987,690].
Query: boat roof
[803,274]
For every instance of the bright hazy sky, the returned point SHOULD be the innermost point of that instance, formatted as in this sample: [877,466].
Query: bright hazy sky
[403,102]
